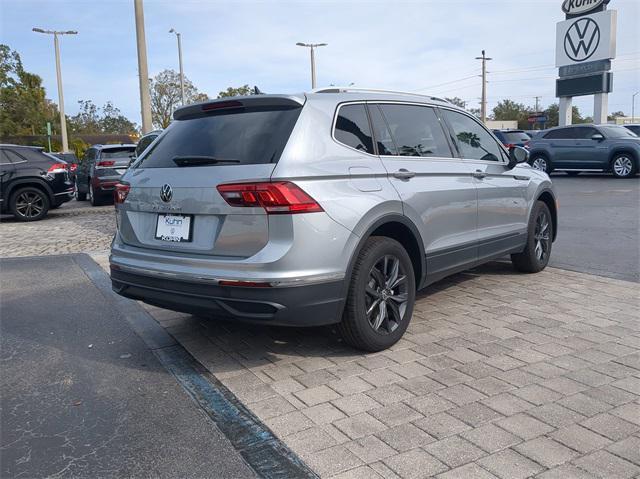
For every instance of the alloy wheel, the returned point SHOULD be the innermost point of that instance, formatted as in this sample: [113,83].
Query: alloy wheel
[386,294]
[29,204]
[622,166]
[542,237]
[540,164]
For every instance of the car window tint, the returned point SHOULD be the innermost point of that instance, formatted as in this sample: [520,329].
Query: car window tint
[144,142]
[582,133]
[559,134]
[352,128]
[9,156]
[416,131]
[250,135]
[515,137]
[117,153]
[473,140]
[381,132]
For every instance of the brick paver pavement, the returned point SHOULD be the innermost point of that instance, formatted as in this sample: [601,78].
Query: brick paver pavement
[500,374]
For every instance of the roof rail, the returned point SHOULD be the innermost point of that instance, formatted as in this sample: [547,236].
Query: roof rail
[344,89]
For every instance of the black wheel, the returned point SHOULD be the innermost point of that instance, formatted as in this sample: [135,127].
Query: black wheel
[80,196]
[29,204]
[94,199]
[381,295]
[623,165]
[536,254]
[540,162]
[573,173]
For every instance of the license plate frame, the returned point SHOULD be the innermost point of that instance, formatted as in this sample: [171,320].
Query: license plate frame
[164,230]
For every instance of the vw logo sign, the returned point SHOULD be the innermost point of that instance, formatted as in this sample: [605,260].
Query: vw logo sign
[166,193]
[582,39]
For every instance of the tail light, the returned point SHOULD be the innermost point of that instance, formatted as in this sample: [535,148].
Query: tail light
[510,145]
[73,167]
[105,164]
[282,197]
[57,168]
[121,192]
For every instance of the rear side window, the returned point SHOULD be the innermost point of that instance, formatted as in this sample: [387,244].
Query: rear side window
[247,135]
[352,128]
[8,157]
[416,131]
[559,134]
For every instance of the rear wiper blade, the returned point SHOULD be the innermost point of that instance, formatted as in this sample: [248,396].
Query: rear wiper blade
[200,160]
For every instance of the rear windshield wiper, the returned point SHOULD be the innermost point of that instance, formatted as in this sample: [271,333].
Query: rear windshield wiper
[200,160]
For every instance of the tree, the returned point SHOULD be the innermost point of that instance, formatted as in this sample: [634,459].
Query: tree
[508,110]
[107,120]
[24,109]
[616,114]
[553,114]
[244,90]
[166,96]
[457,101]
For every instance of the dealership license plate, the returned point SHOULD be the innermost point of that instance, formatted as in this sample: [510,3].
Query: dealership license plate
[174,228]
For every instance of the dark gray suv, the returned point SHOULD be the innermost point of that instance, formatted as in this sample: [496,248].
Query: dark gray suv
[587,147]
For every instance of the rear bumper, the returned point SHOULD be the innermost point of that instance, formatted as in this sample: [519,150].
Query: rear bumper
[306,305]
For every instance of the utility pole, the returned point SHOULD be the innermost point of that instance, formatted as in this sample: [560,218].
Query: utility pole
[538,98]
[312,46]
[483,104]
[633,107]
[180,61]
[143,71]
[63,119]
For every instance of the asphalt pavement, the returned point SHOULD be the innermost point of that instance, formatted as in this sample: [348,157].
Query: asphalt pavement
[599,225]
[84,396]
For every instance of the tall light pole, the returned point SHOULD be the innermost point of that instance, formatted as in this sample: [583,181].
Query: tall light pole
[180,61]
[63,120]
[633,107]
[483,104]
[143,70]
[312,46]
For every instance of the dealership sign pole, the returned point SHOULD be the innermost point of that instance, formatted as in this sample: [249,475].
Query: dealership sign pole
[585,46]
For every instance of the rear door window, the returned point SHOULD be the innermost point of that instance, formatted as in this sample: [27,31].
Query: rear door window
[473,140]
[559,134]
[352,128]
[245,135]
[416,131]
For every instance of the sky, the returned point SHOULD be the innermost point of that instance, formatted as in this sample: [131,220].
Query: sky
[426,46]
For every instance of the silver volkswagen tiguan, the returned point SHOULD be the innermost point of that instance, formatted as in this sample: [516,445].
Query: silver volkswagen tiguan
[332,206]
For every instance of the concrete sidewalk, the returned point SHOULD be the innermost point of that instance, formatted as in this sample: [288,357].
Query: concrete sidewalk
[499,375]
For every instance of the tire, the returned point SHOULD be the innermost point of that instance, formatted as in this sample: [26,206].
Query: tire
[93,198]
[572,173]
[536,254]
[390,307]
[29,204]
[623,165]
[540,162]
[80,196]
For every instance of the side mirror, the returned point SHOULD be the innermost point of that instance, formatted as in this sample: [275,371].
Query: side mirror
[517,154]
[597,137]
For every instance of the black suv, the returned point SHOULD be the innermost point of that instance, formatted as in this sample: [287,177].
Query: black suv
[32,182]
[100,170]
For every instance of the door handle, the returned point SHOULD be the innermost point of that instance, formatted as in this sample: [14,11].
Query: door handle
[479,174]
[404,174]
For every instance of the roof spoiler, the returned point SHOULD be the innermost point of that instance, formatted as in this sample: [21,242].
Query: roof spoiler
[230,103]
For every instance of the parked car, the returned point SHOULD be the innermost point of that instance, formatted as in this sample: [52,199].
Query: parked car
[328,207]
[634,128]
[145,141]
[511,138]
[32,182]
[100,170]
[587,147]
[71,160]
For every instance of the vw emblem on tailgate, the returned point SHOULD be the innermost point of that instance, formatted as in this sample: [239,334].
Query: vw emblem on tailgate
[166,193]
[582,39]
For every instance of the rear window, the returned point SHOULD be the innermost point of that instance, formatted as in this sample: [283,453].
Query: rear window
[617,132]
[515,137]
[117,153]
[247,135]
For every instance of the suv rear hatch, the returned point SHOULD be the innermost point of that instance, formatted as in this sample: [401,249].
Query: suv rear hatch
[172,202]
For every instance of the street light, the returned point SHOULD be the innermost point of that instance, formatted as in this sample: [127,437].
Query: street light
[633,107]
[180,61]
[312,46]
[63,120]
